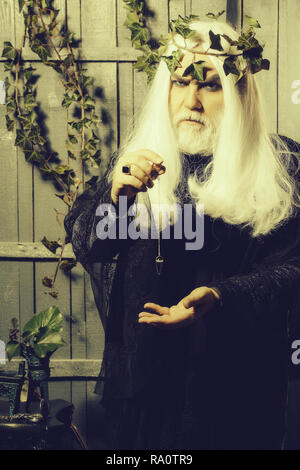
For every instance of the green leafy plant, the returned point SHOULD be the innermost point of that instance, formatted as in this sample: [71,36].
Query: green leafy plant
[41,335]
[155,51]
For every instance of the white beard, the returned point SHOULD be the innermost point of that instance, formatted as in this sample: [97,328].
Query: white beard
[195,138]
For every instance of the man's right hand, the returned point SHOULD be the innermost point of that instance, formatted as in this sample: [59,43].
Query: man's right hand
[145,166]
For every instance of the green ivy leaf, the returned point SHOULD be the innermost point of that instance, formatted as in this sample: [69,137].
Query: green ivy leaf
[139,33]
[181,28]
[252,22]
[253,52]
[8,66]
[230,66]
[196,70]
[87,81]
[93,162]
[33,157]
[29,101]
[68,61]
[29,72]
[95,137]
[9,51]
[132,17]
[91,145]
[40,49]
[21,139]
[173,61]
[54,64]
[97,156]
[258,64]
[76,125]
[53,14]
[67,101]
[72,139]
[214,16]
[61,169]
[9,123]
[71,155]
[84,154]
[7,84]
[215,41]
[11,105]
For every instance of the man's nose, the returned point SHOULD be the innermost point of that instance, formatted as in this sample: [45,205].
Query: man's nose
[192,97]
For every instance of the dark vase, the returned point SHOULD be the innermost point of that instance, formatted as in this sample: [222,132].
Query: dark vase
[38,375]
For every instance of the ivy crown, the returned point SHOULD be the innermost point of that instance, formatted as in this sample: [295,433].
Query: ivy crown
[247,58]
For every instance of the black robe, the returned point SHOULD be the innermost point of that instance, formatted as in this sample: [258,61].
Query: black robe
[220,383]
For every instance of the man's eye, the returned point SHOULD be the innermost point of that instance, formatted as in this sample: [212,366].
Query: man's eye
[179,83]
[213,86]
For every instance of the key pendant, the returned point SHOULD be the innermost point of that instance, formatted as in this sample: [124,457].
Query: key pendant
[159,264]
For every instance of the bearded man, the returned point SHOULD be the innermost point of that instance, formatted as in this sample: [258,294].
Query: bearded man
[196,353]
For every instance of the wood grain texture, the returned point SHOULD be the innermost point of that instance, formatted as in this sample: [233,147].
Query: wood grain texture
[7,21]
[126,101]
[8,178]
[176,7]
[94,329]
[234,13]
[9,296]
[105,75]
[33,250]
[98,23]
[50,95]
[64,368]
[123,33]
[201,7]
[266,13]
[158,23]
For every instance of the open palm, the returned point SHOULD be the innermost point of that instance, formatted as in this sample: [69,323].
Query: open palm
[188,309]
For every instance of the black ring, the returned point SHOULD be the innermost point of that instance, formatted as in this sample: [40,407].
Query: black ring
[126,169]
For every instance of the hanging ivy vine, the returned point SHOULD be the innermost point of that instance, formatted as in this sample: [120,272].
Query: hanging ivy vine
[54,45]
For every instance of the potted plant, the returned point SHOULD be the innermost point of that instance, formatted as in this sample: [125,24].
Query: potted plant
[41,337]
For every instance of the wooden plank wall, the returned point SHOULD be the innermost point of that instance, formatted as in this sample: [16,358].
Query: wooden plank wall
[28,202]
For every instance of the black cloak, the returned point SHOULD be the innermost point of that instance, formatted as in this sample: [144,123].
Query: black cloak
[220,383]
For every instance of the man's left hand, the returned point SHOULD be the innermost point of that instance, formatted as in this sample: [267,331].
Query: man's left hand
[197,303]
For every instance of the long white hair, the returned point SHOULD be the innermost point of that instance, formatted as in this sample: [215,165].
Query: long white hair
[247,182]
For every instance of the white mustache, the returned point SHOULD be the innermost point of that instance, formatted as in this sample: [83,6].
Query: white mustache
[191,117]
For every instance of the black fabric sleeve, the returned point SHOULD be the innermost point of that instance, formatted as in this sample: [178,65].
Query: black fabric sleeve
[262,288]
[81,222]
[273,281]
